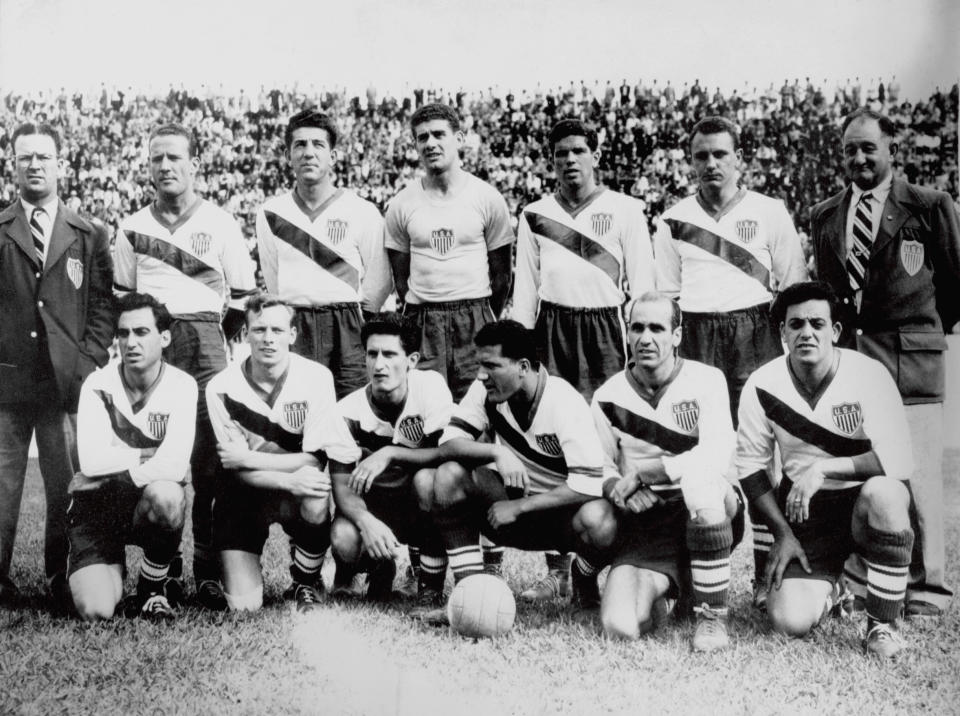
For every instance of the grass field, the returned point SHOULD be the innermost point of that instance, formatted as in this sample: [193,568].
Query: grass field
[356,659]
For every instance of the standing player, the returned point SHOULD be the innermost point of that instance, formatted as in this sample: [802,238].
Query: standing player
[891,251]
[665,426]
[449,244]
[724,253]
[135,432]
[381,505]
[191,256]
[836,417]
[321,251]
[277,427]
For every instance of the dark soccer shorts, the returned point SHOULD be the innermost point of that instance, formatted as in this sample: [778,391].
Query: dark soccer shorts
[100,524]
[397,508]
[584,346]
[826,536]
[330,335]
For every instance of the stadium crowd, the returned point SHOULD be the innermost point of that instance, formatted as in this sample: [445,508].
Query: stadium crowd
[790,139]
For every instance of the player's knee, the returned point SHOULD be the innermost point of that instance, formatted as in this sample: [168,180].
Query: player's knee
[884,497]
[792,617]
[93,607]
[315,510]
[619,623]
[345,540]
[449,482]
[423,488]
[165,503]
[248,601]
[596,523]
[704,493]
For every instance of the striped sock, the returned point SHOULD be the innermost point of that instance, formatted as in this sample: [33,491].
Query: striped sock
[584,567]
[433,569]
[887,558]
[492,555]
[709,547]
[460,530]
[306,565]
[153,574]
[762,542]
[465,561]
[414,554]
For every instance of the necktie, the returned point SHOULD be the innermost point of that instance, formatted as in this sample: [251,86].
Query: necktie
[862,241]
[38,221]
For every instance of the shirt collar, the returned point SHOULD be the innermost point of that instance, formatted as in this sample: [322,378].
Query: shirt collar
[50,207]
[879,192]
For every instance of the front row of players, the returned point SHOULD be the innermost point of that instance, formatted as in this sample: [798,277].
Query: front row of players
[645,492]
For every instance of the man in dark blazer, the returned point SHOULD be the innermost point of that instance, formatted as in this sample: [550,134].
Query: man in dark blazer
[56,324]
[891,251]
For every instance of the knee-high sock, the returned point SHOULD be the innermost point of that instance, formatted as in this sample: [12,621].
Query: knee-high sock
[159,549]
[460,532]
[309,543]
[709,547]
[887,557]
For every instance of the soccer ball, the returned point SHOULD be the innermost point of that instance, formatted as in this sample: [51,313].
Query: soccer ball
[481,605]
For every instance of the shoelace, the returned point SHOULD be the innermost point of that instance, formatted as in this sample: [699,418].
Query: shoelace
[307,595]
[157,604]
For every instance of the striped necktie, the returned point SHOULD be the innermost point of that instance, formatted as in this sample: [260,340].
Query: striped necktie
[862,241]
[38,221]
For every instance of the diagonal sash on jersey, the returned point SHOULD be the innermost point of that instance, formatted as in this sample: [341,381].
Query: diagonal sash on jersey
[129,433]
[714,244]
[808,431]
[648,430]
[177,258]
[327,259]
[367,440]
[572,240]
[519,443]
[261,425]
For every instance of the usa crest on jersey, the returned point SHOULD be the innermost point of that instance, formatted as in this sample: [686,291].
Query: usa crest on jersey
[686,414]
[441,240]
[295,413]
[549,444]
[336,230]
[601,223]
[411,428]
[75,272]
[911,256]
[847,417]
[200,242]
[157,424]
[747,230]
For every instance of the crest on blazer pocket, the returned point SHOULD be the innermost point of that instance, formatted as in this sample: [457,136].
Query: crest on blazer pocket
[75,272]
[911,256]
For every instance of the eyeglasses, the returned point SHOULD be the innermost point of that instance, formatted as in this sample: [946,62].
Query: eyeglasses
[27,159]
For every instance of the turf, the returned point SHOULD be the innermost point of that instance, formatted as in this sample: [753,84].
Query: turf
[356,659]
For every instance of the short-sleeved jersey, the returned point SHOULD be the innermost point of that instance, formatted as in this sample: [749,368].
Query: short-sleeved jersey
[686,423]
[448,239]
[558,446]
[334,254]
[589,259]
[426,411]
[859,411]
[299,416]
[729,264]
[199,264]
[114,434]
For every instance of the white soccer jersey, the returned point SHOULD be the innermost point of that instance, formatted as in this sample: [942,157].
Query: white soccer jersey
[198,264]
[559,446]
[448,239]
[590,259]
[332,255]
[114,435]
[300,416]
[426,411]
[729,264]
[687,424]
[860,410]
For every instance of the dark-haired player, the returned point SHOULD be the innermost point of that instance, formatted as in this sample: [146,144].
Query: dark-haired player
[278,432]
[382,504]
[190,254]
[135,428]
[837,419]
[321,251]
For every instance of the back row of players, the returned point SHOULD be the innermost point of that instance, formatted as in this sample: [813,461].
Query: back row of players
[723,254]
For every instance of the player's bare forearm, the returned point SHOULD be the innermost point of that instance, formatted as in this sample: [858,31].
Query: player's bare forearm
[501,276]
[279,462]
[771,515]
[261,479]
[559,496]
[468,453]
[400,266]
[651,471]
[348,502]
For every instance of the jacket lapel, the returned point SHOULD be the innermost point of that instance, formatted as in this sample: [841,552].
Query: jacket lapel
[15,221]
[835,226]
[61,238]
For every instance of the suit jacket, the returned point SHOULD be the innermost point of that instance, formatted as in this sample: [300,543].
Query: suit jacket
[56,323]
[911,293]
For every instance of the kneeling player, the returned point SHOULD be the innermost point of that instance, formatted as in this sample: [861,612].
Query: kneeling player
[400,410]
[543,491]
[838,421]
[665,426]
[135,425]
[276,421]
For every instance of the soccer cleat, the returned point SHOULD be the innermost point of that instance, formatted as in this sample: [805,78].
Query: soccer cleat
[553,586]
[306,596]
[156,608]
[585,592]
[380,581]
[759,596]
[430,608]
[840,603]
[711,632]
[883,640]
[662,609]
[210,595]
[344,588]
[919,609]
[408,582]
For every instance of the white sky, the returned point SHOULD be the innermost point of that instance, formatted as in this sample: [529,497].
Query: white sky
[474,43]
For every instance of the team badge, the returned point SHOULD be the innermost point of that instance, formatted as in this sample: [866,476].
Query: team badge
[441,240]
[75,272]
[686,414]
[747,230]
[411,428]
[157,422]
[336,230]
[847,417]
[549,444]
[911,256]
[601,223]
[200,242]
[295,413]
